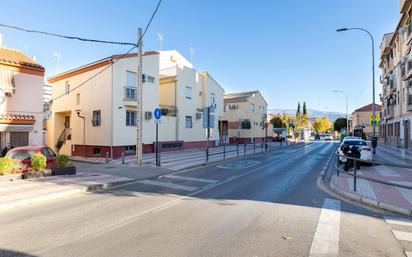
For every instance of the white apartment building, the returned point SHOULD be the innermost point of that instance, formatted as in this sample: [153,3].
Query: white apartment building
[99,117]
[396,65]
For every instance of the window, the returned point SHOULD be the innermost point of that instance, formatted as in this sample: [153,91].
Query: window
[150,79]
[252,106]
[225,108]
[130,148]
[130,79]
[245,124]
[131,118]
[130,88]
[67,87]
[78,99]
[97,118]
[188,92]
[212,99]
[97,151]
[188,122]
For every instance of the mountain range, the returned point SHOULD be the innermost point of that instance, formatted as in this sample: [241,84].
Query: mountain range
[311,113]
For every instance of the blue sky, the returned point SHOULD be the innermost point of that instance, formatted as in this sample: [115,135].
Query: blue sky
[288,50]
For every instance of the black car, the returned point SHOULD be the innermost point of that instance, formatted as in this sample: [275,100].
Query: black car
[317,137]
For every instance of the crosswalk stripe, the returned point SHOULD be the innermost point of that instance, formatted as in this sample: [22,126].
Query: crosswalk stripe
[402,235]
[326,239]
[168,185]
[398,221]
[192,179]
[408,254]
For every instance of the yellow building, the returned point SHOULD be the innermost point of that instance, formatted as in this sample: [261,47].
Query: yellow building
[246,116]
[98,116]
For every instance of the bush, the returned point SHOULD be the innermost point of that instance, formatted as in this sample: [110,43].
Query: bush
[6,165]
[38,161]
[62,160]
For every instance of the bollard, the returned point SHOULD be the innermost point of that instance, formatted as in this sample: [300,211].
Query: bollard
[207,155]
[244,149]
[107,157]
[224,151]
[254,146]
[123,157]
[237,149]
[354,175]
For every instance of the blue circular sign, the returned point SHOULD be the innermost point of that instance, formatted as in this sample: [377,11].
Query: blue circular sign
[157,114]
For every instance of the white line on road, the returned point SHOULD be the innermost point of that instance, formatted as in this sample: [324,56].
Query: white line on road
[191,179]
[398,221]
[401,235]
[167,184]
[408,254]
[326,239]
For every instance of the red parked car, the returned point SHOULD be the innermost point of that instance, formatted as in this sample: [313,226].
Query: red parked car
[24,153]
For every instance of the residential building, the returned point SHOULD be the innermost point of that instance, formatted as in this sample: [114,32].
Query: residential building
[361,119]
[95,117]
[396,66]
[21,112]
[246,115]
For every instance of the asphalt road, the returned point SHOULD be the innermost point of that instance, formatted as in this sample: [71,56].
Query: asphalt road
[268,204]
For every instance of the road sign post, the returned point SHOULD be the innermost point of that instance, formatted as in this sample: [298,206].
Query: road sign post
[157,114]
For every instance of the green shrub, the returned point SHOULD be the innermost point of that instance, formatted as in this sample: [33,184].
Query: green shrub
[6,165]
[62,160]
[38,161]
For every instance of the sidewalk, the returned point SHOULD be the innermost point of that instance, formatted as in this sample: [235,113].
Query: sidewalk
[388,153]
[378,195]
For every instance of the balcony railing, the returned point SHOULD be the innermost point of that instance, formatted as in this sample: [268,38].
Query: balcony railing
[168,110]
[129,94]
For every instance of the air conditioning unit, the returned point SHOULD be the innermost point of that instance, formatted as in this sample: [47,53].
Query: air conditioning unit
[148,115]
[198,115]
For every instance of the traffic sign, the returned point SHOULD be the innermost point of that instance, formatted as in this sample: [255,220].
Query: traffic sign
[157,114]
[374,119]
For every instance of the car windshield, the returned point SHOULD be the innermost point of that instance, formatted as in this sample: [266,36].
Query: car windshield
[355,142]
[20,154]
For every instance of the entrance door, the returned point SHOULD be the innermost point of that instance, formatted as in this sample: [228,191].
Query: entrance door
[406,129]
[19,139]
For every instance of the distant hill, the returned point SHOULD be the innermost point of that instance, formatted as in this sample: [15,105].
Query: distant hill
[312,113]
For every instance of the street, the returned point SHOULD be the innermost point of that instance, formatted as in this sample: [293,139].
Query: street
[268,204]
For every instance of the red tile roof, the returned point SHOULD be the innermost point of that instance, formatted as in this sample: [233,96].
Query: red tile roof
[368,108]
[16,118]
[14,57]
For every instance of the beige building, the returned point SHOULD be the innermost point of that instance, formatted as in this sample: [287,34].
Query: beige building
[245,116]
[98,116]
[361,118]
[396,65]
[21,86]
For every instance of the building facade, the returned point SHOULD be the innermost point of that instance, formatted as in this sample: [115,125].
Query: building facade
[396,97]
[246,116]
[21,91]
[98,117]
[361,119]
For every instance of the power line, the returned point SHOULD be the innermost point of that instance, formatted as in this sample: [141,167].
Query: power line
[66,37]
[111,64]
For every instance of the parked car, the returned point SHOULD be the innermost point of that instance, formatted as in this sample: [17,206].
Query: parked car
[317,137]
[328,137]
[365,151]
[24,153]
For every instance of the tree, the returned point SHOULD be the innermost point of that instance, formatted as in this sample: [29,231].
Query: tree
[304,111]
[298,110]
[322,125]
[339,124]
[278,122]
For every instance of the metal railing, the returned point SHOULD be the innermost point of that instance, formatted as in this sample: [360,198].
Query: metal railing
[356,176]
[252,148]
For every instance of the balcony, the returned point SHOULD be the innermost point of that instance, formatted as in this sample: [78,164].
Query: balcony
[408,70]
[385,44]
[405,5]
[168,110]
[130,94]
[409,102]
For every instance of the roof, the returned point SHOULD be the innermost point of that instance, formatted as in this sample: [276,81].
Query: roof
[368,108]
[241,96]
[8,118]
[95,65]
[16,58]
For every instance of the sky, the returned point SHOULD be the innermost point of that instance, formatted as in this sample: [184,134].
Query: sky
[288,50]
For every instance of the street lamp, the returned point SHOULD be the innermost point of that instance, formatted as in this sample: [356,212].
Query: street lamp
[346,96]
[84,131]
[374,139]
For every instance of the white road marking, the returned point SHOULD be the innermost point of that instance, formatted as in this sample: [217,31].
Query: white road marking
[408,254]
[191,179]
[398,221]
[167,184]
[326,239]
[401,235]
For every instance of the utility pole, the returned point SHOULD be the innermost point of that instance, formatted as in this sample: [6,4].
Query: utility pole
[139,100]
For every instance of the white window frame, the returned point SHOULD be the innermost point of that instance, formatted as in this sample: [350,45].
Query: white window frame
[97,118]
[67,87]
[188,92]
[130,122]
[187,119]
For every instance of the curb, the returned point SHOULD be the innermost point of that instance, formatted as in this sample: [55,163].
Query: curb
[368,201]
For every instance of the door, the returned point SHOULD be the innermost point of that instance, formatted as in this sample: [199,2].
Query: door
[19,139]
[406,136]
[66,121]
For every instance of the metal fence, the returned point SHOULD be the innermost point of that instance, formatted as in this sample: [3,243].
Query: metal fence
[356,176]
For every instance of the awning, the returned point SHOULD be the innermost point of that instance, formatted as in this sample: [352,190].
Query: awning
[15,128]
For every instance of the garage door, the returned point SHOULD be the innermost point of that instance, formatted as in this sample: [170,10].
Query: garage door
[19,138]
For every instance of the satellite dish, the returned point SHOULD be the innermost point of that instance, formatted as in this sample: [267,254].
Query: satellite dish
[2,96]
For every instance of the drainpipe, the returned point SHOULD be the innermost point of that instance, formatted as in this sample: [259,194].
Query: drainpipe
[111,114]
[84,132]
[177,111]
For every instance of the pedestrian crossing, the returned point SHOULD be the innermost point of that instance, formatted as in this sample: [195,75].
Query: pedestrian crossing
[402,231]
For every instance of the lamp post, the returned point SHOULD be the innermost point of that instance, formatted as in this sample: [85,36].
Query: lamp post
[84,132]
[374,139]
[346,96]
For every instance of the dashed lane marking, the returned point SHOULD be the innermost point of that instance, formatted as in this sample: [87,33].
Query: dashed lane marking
[167,184]
[203,180]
